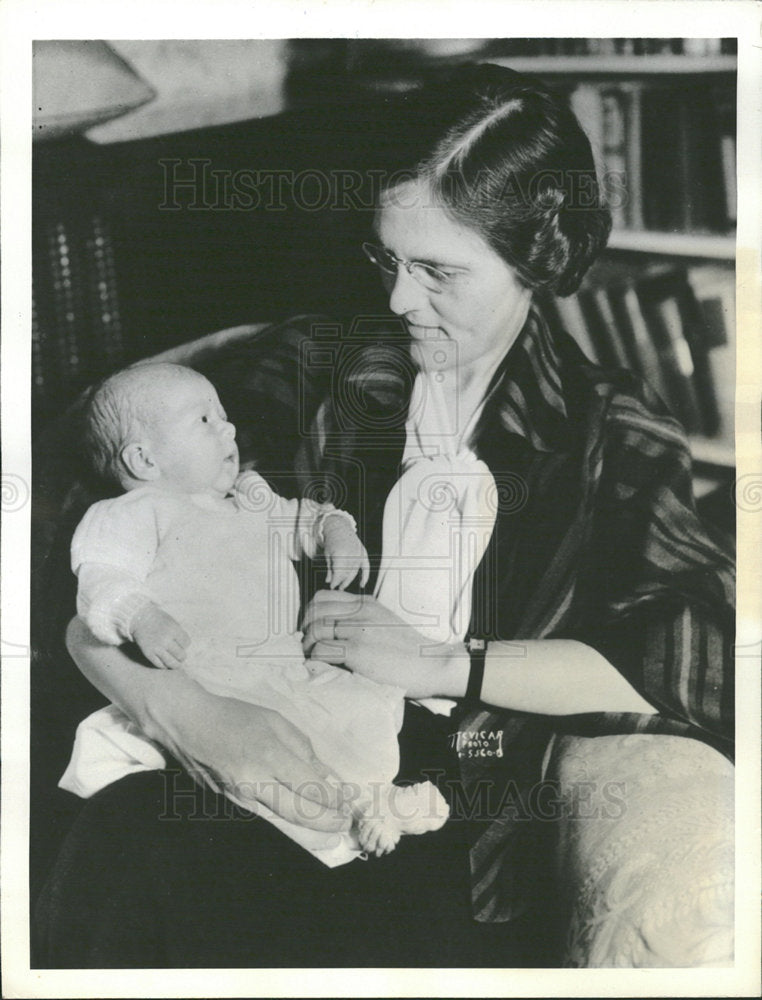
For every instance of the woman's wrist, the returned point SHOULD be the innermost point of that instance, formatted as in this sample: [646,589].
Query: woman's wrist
[178,712]
[453,677]
[148,696]
[166,705]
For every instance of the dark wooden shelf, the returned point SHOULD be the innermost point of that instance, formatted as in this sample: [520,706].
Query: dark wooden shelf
[707,245]
[594,65]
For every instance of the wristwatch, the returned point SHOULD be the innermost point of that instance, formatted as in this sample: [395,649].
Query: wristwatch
[477,652]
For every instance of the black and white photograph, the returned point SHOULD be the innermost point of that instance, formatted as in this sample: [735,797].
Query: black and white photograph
[381,422]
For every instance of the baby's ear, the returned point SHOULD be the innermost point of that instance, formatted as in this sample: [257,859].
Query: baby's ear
[139,462]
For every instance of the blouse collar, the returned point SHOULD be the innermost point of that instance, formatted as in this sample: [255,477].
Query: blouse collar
[526,393]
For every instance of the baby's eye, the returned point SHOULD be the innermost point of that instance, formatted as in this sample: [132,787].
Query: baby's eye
[205,419]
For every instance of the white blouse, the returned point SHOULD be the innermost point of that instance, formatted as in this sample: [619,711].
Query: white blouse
[438,519]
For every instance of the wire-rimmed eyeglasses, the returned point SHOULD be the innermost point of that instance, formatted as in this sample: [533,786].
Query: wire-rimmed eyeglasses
[432,278]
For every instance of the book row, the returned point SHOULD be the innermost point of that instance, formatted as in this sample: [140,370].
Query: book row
[665,151]
[674,327]
[694,47]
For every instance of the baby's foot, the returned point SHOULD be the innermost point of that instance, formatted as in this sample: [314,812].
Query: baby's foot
[404,809]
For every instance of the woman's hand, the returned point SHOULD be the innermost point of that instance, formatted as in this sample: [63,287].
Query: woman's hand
[534,675]
[255,755]
[250,752]
[366,637]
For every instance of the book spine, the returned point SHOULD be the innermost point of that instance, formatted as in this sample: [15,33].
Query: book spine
[701,162]
[728,158]
[672,317]
[677,363]
[634,156]
[572,320]
[689,217]
[714,289]
[725,109]
[607,340]
[662,194]
[639,340]
[614,143]
[695,333]
[696,47]
[624,356]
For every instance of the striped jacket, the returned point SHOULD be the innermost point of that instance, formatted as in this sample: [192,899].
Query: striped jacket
[596,539]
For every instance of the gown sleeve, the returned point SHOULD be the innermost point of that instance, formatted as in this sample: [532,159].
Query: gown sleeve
[300,521]
[112,552]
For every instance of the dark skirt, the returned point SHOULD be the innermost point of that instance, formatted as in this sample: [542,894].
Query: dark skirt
[159,873]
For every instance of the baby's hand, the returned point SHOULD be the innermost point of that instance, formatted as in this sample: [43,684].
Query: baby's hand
[344,553]
[161,639]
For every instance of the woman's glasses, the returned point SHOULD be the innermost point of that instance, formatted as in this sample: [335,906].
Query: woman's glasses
[432,278]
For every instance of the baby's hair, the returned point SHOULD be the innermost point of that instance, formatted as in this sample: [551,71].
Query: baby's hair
[120,409]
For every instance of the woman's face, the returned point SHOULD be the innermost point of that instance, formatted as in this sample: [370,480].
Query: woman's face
[472,320]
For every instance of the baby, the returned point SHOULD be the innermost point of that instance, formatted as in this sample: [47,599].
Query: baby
[194,564]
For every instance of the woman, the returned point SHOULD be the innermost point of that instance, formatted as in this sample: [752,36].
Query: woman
[570,548]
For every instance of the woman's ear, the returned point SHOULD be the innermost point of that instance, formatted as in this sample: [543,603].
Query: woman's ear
[139,462]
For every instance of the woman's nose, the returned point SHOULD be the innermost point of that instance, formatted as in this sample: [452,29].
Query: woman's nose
[405,293]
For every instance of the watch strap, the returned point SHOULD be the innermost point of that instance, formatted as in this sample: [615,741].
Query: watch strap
[477,652]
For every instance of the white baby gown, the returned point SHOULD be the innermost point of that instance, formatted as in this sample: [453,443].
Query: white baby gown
[223,569]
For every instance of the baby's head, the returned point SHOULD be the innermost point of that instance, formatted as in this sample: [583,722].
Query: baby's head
[161,424]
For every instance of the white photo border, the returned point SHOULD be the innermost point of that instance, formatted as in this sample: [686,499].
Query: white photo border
[21,21]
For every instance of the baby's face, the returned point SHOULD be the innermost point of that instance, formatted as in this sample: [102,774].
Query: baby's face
[192,441]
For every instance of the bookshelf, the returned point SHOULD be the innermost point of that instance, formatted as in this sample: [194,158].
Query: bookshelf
[662,299]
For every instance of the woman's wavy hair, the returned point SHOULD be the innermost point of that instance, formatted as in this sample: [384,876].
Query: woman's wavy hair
[508,158]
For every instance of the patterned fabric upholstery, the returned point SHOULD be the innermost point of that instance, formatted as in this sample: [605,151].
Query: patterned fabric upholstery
[645,859]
